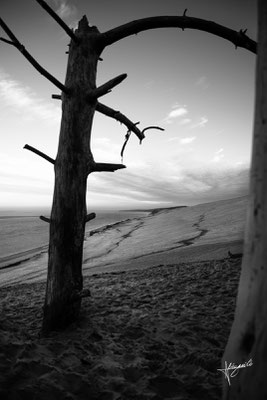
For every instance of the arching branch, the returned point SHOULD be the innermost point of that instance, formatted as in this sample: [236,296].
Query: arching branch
[239,39]
[153,127]
[58,20]
[15,42]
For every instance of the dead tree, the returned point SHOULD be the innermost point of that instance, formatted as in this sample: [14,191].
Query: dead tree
[74,161]
[248,338]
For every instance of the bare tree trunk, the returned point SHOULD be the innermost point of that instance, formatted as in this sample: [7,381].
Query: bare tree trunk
[72,166]
[248,338]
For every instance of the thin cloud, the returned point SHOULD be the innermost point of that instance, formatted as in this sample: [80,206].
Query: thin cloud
[201,124]
[149,184]
[185,121]
[23,100]
[218,156]
[177,112]
[187,140]
[202,82]
[186,186]
[64,9]
[67,12]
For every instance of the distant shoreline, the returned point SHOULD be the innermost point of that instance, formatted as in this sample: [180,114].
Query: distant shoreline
[19,216]
[155,210]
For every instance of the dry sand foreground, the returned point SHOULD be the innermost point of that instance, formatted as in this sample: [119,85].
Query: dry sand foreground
[154,334]
[156,325]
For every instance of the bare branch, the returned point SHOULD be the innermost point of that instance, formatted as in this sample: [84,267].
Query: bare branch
[128,134]
[39,153]
[109,112]
[127,137]
[32,60]
[8,41]
[58,20]
[106,87]
[45,219]
[89,217]
[107,167]
[56,96]
[183,22]
[9,32]
[153,127]
[80,295]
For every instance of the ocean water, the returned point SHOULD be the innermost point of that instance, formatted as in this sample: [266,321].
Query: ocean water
[23,234]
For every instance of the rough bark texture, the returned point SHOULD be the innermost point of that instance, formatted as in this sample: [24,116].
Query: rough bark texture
[248,338]
[72,165]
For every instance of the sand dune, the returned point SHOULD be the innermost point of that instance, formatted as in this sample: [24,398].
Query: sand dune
[201,232]
[166,233]
[162,302]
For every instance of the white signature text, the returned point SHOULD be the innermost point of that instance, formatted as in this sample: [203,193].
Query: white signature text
[231,370]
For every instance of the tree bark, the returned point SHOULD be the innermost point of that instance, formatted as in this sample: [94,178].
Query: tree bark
[72,166]
[248,337]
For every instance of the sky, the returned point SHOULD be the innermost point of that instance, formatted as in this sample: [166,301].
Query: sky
[196,86]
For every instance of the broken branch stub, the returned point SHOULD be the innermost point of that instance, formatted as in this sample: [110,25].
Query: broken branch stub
[45,219]
[39,153]
[56,96]
[89,217]
[106,167]
[106,87]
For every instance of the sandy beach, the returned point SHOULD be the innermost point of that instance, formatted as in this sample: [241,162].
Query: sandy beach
[162,303]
